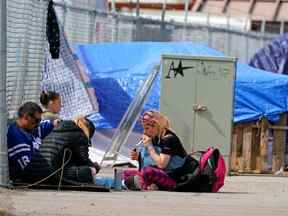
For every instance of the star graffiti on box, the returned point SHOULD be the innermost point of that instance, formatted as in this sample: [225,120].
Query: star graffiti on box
[177,70]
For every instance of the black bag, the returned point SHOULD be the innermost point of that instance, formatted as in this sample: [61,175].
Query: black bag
[190,178]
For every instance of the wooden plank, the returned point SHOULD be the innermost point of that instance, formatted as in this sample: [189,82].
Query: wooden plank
[247,147]
[233,153]
[239,140]
[278,159]
[264,145]
[258,160]
[277,127]
[274,127]
[237,148]
[255,149]
[240,164]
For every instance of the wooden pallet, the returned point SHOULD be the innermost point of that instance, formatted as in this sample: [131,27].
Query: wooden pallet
[249,148]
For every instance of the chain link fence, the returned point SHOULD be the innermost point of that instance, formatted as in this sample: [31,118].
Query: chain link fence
[27,59]
[26,40]
[3,113]
[84,25]
[26,25]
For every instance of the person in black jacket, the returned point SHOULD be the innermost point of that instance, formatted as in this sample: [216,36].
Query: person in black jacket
[65,146]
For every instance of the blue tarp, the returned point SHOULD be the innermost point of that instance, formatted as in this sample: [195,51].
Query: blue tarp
[118,69]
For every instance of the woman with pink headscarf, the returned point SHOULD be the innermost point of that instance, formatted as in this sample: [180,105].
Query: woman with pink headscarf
[161,154]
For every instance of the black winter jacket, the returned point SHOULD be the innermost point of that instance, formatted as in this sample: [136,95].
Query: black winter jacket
[50,156]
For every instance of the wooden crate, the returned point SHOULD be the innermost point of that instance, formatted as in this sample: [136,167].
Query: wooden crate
[249,148]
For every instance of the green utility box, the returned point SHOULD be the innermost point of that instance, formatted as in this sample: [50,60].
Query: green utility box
[197,96]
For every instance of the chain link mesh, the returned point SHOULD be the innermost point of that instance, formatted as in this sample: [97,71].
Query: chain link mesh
[26,40]
[89,26]
[25,45]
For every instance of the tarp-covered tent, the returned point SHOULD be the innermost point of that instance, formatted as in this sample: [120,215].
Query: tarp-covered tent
[118,69]
[273,57]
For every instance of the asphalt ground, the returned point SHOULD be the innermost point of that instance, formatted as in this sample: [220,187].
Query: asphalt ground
[241,195]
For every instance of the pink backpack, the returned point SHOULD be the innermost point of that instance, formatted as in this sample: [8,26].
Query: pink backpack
[213,159]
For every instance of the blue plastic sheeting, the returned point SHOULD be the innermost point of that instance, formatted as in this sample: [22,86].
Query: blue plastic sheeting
[259,94]
[273,57]
[117,70]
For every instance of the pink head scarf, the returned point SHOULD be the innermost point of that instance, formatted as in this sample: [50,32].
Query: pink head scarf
[153,116]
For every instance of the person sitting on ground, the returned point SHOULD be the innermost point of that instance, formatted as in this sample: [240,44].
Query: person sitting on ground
[161,154]
[66,146]
[51,103]
[25,136]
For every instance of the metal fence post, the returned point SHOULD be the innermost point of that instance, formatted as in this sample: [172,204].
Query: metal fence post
[4,175]
[228,47]
[163,11]
[92,19]
[263,29]
[137,8]
[113,6]
[186,9]
[247,50]
[209,40]
[282,27]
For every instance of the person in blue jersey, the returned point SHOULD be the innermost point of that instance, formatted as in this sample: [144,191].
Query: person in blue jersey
[25,136]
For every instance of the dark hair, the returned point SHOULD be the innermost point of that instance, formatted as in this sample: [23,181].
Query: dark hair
[29,108]
[91,127]
[47,96]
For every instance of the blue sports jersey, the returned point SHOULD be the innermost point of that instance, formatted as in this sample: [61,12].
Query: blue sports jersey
[22,144]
